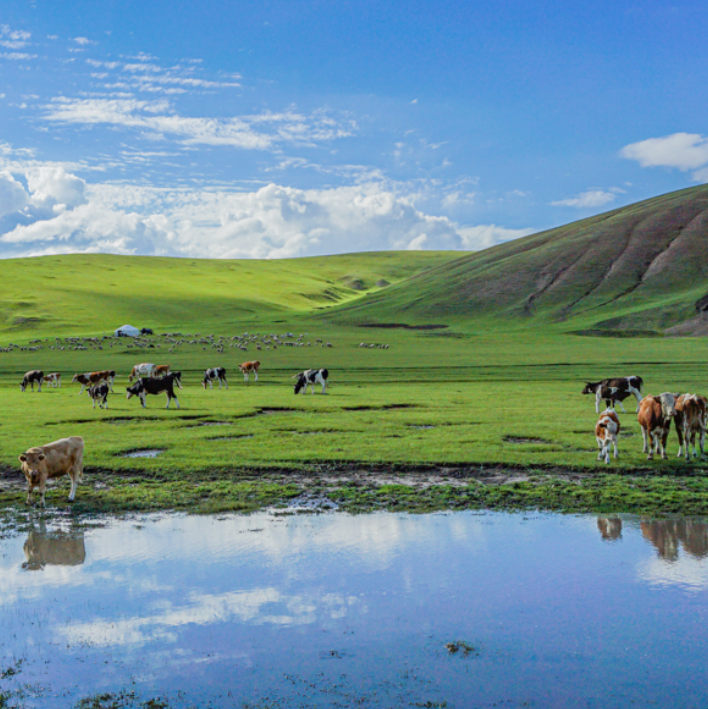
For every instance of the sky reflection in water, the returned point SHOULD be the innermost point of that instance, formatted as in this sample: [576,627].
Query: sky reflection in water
[334,610]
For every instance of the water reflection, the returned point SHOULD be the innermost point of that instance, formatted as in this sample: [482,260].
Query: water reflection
[668,535]
[56,548]
[610,528]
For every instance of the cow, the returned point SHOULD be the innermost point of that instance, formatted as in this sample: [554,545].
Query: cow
[145,369]
[89,379]
[615,390]
[690,419]
[53,379]
[59,548]
[53,460]
[34,375]
[655,414]
[250,368]
[311,377]
[153,385]
[216,373]
[606,431]
[99,393]
[161,370]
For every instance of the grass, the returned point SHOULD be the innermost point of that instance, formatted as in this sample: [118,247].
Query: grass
[435,416]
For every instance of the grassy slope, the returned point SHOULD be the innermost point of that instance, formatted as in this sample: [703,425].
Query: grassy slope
[87,294]
[642,266]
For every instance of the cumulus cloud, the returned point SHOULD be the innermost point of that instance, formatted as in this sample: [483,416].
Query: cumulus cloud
[483,236]
[13,196]
[587,199]
[53,188]
[685,151]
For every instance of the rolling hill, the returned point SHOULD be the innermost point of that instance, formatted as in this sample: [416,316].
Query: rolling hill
[639,269]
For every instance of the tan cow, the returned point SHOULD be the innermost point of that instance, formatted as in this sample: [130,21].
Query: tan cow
[161,370]
[55,548]
[250,368]
[690,419]
[89,379]
[606,431]
[655,414]
[53,460]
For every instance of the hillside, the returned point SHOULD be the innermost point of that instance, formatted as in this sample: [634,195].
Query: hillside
[642,267]
[96,293]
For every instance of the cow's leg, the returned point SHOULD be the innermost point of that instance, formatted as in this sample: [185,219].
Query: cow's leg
[94,403]
[598,398]
[622,406]
[73,476]
[142,401]
[82,389]
[599,445]
[42,490]
[680,436]
[663,439]
[30,490]
[176,402]
[105,403]
[614,445]
[226,384]
[644,439]
[637,396]
[256,374]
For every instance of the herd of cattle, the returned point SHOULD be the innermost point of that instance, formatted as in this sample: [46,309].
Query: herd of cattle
[654,413]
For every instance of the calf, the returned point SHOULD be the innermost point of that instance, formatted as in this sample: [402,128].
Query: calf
[655,414]
[53,460]
[89,379]
[250,368]
[153,385]
[161,370]
[53,379]
[34,375]
[311,377]
[606,431]
[211,374]
[145,369]
[614,390]
[99,393]
[690,419]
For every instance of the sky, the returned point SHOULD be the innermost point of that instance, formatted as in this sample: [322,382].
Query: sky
[287,128]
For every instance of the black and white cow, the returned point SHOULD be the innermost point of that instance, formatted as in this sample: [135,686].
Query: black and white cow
[35,375]
[211,375]
[99,393]
[153,385]
[614,390]
[311,377]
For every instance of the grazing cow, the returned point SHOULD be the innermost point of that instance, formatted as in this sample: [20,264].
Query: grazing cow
[161,370]
[614,390]
[690,419]
[606,431]
[35,375]
[250,368]
[53,460]
[152,385]
[53,379]
[145,369]
[89,379]
[311,377]
[99,393]
[216,373]
[655,414]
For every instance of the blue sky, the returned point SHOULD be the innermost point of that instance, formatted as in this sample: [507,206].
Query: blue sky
[286,128]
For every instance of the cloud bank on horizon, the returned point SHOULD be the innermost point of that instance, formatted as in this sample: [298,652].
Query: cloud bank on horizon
[129,134]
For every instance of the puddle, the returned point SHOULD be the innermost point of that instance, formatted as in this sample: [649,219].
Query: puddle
[143,453]
[335,610]
[308,502]
[524,439]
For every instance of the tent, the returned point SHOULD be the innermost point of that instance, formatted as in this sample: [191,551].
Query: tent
[127,331]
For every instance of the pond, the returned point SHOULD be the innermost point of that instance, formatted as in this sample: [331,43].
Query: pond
[331,610]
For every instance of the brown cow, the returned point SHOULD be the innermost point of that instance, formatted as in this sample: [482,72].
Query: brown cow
[606,431]
[161,370]
[53,379]
[90,379]
[655,414]
[250,368]
[53,460]
[690,419]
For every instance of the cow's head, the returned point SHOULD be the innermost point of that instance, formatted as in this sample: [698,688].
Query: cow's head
[135,390]
[589,388]
[177,378]
[668,404]
[33,465]
[23,384]
[300,383]
[75,378]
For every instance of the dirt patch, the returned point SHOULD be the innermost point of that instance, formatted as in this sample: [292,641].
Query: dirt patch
[403,326]
[385,407]
[239,437]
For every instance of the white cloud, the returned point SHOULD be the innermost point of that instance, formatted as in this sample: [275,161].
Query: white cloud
[483,236]
[685,151]
[83,41]
[17,56]
[13,196]
[53,186]
[587,199]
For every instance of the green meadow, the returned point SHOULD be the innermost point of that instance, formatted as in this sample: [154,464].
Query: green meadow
[478,412]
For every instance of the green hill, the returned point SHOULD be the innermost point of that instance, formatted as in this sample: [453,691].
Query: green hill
[97,293]
[639,268]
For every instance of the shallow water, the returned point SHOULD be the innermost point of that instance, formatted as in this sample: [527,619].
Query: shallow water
[332,610]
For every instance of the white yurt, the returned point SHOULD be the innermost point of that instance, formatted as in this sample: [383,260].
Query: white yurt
[127,331]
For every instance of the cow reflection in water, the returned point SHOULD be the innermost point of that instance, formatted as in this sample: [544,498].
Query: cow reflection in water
[55,548]
[668,534]
[610,528]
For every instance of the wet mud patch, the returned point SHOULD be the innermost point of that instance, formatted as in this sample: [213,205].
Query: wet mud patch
[239,437]
[209,423]
[524,439]
[142,453]
[384,407]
